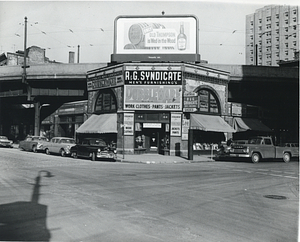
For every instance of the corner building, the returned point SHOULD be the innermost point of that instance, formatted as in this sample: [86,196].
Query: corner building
[164,108]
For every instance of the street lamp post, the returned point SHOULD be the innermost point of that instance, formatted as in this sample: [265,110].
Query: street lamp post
[37,117]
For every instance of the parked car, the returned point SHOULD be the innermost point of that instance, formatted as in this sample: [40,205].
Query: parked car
[33,143]
[94,148]
[60,145]
[261,147]
[5,142]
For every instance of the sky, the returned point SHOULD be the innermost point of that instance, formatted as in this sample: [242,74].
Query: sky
[60,26]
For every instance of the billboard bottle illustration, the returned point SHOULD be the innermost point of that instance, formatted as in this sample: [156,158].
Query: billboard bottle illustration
[181,38]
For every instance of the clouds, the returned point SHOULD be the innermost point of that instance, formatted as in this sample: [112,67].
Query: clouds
[60,26]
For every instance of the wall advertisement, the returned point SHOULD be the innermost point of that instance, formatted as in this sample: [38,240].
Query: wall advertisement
[176,35]
[128,123]
[175,124]
[156,38]
[104,79]
[185,128]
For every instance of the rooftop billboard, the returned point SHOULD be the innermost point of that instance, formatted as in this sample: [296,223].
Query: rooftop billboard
[156,38]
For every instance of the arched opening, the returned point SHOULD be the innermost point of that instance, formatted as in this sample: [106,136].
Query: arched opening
[208,102]
[105,102]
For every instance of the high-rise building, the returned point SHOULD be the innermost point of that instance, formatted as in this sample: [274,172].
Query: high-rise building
[272,35]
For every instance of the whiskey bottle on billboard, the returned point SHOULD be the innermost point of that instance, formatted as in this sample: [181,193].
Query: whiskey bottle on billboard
[181,38]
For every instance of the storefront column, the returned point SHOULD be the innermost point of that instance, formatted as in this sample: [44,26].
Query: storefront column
[37,118]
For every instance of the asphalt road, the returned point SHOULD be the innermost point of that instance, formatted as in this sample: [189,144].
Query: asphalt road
[51,198]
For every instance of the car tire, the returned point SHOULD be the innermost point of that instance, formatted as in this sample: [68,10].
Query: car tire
[255,158]
[62,152]
[34,148]
[47,151]
[286,157]
[93,156]
[74,155]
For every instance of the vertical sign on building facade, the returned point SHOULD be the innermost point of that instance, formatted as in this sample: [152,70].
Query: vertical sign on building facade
[175,124]
[185,128]
[128,123]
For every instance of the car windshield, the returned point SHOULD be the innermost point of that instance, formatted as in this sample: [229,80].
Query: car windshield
[98,142]
[256,141]
[3,137]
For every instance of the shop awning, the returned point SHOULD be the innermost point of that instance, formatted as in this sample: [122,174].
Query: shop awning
[244,124]
[210,123]
[99,124]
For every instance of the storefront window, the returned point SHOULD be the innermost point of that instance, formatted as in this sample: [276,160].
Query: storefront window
[208,102]
[105,102]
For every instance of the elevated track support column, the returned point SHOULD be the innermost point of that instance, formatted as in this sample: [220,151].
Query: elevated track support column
[37,110]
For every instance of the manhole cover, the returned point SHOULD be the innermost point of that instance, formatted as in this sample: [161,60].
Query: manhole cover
[275,197]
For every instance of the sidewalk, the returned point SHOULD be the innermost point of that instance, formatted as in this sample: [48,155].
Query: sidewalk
[161,159]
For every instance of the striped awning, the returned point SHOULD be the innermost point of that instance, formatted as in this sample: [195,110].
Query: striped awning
[210,123]
[99,124]
[244,124]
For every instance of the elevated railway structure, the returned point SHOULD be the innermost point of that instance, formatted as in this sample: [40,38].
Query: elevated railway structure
[45,88]
[274,89]
[48,86]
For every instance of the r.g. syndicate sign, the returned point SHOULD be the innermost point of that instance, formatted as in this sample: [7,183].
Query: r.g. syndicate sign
[146,77]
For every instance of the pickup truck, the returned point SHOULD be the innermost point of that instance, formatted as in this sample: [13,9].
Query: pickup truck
[262,147]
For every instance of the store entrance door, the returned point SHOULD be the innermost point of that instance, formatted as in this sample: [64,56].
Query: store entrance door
[152,142]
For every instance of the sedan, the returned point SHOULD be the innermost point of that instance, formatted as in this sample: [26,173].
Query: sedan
[33,143]
[60,145]
[5,142]
[94,148]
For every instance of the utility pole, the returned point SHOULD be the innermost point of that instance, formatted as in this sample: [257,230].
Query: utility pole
[78,53]
[256,55]
[25,52]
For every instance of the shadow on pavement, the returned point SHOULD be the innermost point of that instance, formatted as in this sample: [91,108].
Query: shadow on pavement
[25,221]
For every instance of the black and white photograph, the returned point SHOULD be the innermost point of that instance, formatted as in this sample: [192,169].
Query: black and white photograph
[149,121]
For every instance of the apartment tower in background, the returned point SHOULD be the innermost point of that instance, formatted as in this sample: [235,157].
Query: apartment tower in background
[272,35]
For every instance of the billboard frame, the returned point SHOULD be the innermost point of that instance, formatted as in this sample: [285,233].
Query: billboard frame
[155,57]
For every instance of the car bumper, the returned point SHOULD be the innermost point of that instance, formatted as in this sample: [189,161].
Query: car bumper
[106,155]
[239,155]
[6,145]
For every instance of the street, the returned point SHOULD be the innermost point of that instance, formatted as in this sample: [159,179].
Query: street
[52,198]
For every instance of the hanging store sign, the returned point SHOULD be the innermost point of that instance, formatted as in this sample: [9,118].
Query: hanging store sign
[190,103]
[152,125]
[156,38]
